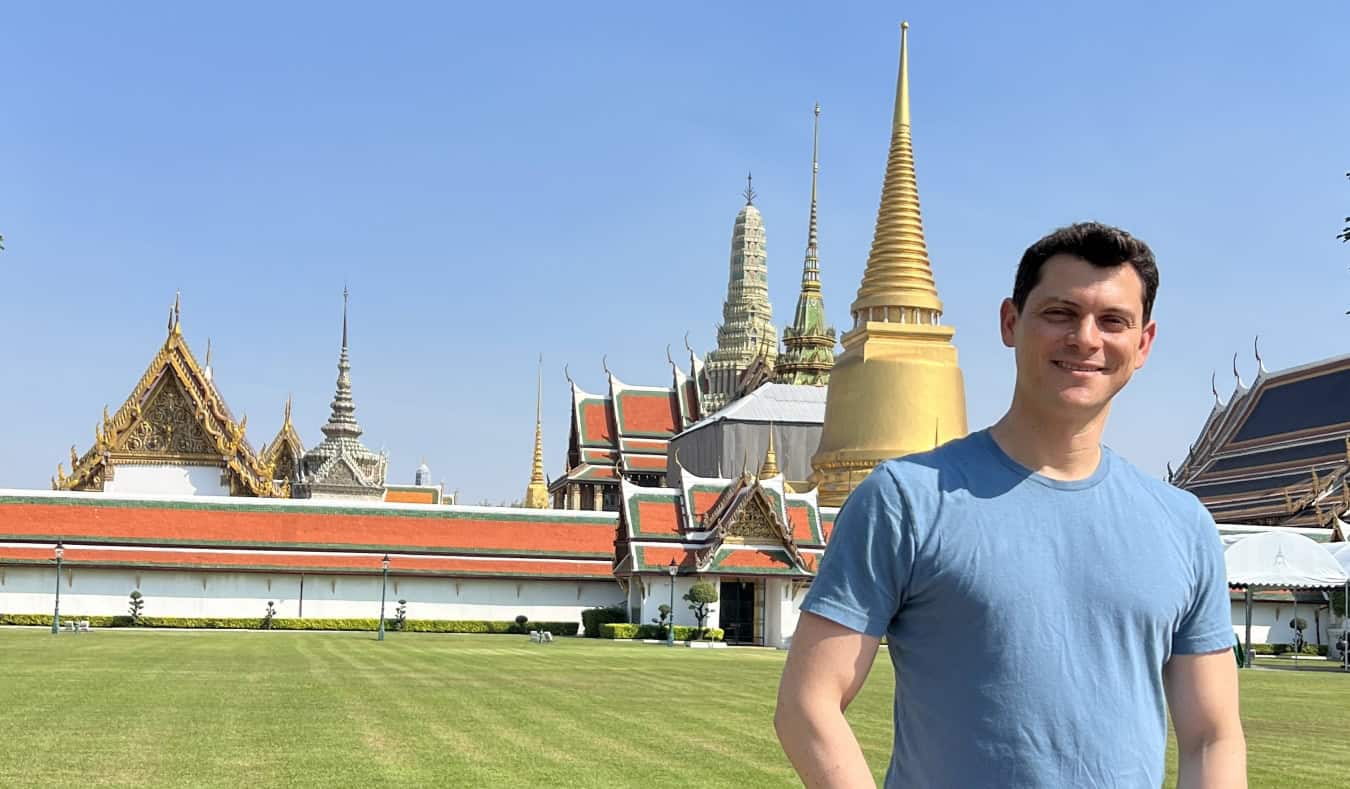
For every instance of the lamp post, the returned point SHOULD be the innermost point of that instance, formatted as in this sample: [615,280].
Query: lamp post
[670,626]
[56,612]
[384,582]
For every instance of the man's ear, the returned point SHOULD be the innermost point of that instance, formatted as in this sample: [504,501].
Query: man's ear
[1146,338]
[1007,321]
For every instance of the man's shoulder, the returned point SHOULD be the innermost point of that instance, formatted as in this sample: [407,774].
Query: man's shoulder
[1180,503]
[924,475]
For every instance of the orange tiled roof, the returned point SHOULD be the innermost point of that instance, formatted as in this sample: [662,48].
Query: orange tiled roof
[314,561]
[94,518]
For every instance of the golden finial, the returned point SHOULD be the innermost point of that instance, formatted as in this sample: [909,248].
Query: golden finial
[60,472]
[536,492]
[286,419]
[898,273]
[208,353]
[177,312]
[770,467]
[74,458]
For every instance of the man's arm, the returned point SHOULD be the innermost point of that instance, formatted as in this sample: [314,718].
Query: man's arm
[825,669]
[1202,694]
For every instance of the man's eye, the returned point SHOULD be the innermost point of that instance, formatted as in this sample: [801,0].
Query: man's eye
[1058,314]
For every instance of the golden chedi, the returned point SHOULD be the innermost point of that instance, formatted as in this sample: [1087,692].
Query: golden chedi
[896,388]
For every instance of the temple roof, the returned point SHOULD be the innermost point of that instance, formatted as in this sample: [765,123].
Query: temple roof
[1278,451]
[175,415]
[310,534]
[284,453]
[628,429]
[747,525]
[774,402]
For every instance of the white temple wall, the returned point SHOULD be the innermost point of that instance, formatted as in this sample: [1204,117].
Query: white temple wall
[104,592]
[1270,622]
[653,591]
[782,601]
[167,479]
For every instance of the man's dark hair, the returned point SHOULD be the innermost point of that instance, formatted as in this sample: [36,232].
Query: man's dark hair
[1101,245]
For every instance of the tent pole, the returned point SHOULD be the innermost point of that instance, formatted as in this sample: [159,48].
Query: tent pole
[1248,598]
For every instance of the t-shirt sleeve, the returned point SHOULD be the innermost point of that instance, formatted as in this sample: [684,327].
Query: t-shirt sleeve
[867,562]
[1207,626]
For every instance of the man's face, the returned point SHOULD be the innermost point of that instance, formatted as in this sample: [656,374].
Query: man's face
[1080,336]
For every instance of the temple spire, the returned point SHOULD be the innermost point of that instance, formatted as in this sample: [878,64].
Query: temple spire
[897,284]
[898,376]
[809,341]
[536,493]
[747,332]
[770,466]
[341,465]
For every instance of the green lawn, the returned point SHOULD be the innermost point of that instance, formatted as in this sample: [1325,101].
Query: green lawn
[240,709]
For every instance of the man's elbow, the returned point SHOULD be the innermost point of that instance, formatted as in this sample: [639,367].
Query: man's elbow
[785,715]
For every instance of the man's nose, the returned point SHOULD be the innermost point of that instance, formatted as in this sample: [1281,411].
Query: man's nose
[1085,332]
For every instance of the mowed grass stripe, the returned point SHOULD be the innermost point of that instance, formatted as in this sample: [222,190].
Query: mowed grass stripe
[203,709]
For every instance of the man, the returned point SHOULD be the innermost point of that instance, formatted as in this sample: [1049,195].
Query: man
[1040,596]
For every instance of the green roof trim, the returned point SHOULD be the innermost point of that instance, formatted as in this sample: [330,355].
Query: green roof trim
[423,511]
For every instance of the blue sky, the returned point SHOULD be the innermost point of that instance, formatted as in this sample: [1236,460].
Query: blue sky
[499,181]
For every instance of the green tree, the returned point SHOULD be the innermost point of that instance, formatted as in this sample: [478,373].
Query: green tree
[700,596]
[137,605]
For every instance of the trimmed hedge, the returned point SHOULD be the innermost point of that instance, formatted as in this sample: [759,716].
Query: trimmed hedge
[1288,649]
[254,623]
[619,630]
[592,619]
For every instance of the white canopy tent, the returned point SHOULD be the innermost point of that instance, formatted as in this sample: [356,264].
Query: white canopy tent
[1341,553]
[1280,560]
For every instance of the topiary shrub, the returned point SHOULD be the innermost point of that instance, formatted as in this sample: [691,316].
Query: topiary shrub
[700,597]
[401,615]
[592,619]
[137,606]
[268,616]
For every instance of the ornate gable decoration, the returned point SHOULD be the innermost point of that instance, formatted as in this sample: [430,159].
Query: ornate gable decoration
[173,415]
[286,451]
[747,514]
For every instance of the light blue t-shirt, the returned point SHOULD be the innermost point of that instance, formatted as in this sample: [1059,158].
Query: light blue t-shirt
[1028,619]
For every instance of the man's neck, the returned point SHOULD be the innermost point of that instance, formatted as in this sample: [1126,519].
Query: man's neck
[1063,448]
